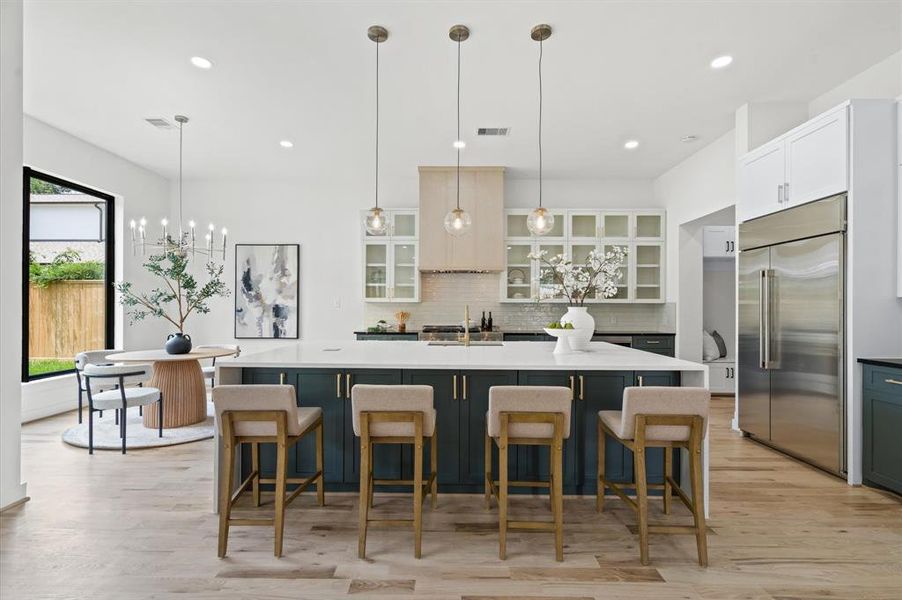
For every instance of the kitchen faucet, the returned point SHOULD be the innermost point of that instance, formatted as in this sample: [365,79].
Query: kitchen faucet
[466,339]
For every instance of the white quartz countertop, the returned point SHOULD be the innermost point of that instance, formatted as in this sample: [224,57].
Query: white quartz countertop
[418,355]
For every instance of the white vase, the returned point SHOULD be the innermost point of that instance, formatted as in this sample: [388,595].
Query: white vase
[583,326]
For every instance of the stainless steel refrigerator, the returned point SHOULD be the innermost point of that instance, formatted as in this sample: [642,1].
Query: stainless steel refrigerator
[791,344]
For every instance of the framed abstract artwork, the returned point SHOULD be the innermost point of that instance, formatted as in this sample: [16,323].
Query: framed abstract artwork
[267,286]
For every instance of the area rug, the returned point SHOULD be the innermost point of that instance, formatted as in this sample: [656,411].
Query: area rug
[106,432]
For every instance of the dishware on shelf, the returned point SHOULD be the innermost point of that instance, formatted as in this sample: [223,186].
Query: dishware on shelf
[516,276]
[563,339]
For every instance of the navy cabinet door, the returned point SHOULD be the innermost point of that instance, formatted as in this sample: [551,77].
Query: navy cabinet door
[388,460]
[319,387]
[882,442]
[532,461]
[447,407]
[603,391]
[474,406]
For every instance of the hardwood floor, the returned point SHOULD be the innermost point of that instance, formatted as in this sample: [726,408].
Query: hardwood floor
[140,526]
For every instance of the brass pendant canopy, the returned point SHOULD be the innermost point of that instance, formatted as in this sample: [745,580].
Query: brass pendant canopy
[459,33]
[377,33]
[540,33]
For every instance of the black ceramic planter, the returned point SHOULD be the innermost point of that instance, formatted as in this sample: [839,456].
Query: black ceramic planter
[178,343]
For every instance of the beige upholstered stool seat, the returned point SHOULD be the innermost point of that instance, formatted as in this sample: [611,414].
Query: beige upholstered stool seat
[528,399]
[663,418]
[394,414]
[264,414]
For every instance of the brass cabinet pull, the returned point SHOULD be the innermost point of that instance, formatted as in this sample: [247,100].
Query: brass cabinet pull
[347,385]
[652,341]
[893,381]
[640,381]
[454,387]
[338,385]
[464,387]
[582,387]
[572,387]
[281,378]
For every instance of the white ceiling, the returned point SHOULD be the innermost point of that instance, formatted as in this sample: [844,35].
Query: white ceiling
[305,71]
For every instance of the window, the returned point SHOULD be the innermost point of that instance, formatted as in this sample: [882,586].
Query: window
[67,272]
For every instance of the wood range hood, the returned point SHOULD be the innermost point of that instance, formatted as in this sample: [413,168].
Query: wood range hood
[481,249]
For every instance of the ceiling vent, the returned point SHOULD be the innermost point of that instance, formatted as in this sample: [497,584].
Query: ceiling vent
[160,123]
[493,131]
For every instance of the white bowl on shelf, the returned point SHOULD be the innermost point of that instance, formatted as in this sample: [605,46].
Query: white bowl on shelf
[563,339]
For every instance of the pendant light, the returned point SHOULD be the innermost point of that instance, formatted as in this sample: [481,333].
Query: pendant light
[540,221]
[458,221]
[375,218]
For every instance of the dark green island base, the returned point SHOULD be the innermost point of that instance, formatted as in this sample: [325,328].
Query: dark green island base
[461,402]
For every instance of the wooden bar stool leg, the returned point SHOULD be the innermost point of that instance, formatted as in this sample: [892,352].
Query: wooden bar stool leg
[698,500]
[487,462]
[418,491]
[364,492]
[225,491]
[255,465]
[321,482]
[602,442]
[371,488]
[502,494]
[668,472]
[433,468]
[641,499]
[281,473]
[557,497]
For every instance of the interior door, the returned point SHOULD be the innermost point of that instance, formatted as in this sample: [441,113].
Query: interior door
[754,379]
[806,355]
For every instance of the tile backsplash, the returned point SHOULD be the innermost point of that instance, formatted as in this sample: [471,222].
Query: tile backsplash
[444,295]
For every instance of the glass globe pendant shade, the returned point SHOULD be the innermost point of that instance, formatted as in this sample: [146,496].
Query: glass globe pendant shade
[376,222]
[540,221]
[458,221]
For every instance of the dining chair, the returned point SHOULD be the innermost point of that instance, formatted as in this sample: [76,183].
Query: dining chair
[209,371]
[121,397]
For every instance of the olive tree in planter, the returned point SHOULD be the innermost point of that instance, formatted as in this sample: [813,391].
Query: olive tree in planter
[180,297]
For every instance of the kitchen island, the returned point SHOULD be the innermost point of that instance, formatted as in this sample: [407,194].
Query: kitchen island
[323,374]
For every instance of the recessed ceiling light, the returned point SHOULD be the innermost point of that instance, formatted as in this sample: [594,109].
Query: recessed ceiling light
[201,63]
[687,139]
[459,144]
[631,144]
[286,144]
[721,61]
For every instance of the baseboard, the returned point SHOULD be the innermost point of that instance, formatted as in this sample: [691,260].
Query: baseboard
[18,502]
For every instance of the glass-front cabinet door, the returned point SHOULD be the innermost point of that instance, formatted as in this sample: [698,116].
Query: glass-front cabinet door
[583,225]
[515,225]
[649,261]
[404,272]
[623,285]
[615,225]
[579,254]
[518,272]
[548,289]
[649,226]
[375,271]
[403,224]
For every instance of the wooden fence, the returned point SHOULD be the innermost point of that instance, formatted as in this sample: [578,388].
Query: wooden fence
[65,318]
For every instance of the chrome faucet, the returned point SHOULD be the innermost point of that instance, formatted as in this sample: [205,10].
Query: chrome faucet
[466,338]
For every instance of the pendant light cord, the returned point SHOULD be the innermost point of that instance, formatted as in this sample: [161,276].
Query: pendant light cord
[180,177]
[540,123]
[377,125]
[458,122]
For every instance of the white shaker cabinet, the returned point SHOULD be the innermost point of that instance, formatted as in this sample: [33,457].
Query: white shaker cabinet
[719,241]
[761,177]
[817,159]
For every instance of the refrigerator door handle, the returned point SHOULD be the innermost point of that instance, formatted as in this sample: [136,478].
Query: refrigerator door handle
[762,318]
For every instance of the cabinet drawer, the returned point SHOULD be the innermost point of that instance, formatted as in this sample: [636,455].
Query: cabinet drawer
[883,379]
[653,342]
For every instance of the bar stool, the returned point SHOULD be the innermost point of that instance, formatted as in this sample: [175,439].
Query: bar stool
[263,414]
[659,417]
[394,414]
[534,416]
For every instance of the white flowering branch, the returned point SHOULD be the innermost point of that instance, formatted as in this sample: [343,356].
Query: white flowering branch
[601,273]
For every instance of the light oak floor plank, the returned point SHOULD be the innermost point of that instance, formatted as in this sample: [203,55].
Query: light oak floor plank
[140,526]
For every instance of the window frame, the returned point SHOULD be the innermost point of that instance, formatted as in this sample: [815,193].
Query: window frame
[109,201]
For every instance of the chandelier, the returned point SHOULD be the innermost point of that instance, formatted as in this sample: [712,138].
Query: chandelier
[181,242]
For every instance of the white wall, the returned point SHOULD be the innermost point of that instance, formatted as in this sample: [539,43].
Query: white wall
[882,80]
[12,489]
[138,192]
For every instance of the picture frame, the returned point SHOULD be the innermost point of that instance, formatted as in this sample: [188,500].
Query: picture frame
[267,291]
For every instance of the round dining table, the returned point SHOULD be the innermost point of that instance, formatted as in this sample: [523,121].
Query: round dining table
[180,379]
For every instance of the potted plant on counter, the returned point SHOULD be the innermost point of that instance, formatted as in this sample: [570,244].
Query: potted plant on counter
[600,275]
[179,298]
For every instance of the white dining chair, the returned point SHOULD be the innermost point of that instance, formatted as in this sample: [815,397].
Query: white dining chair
[122,397]
[209,371]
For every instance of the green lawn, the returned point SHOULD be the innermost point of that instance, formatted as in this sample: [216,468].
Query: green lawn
[39,366]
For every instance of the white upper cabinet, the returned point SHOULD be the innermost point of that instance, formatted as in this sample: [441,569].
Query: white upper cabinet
[719,241]
[390,261]
[817,159]
[761,178]
[805,164]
